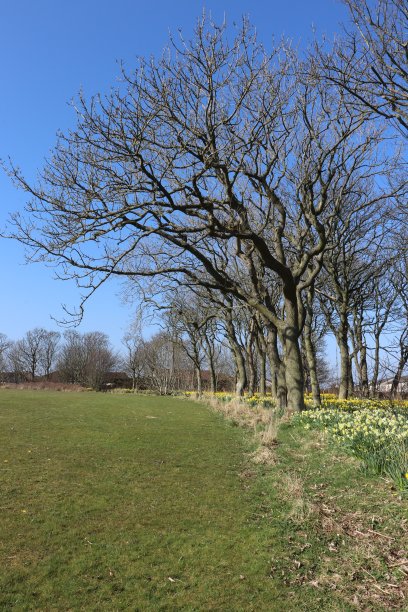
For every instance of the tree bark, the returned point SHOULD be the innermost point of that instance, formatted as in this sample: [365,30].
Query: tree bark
[312,365]
[199,380]
[344,367]
[241,375]
[376,366]
[360,351]
[213,377]
[210,357]
[342,341]
[278,378]
[262,373]
[293,359]
[250,359]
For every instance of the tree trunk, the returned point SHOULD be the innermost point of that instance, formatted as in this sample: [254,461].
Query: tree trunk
[364,371]
[351,378]
[360,351]
[342,341]
[250,358]
[199,380]
[213,377]
[262,373]
[278,377]
[401,365]
[376,366]
[251,372]
[344,369]
[293,359]
[241,374]
[312,366]
[261,349]
[241,380]
[310,349]
[210,358]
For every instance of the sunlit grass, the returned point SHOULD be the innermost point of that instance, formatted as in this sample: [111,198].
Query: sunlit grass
[123,502]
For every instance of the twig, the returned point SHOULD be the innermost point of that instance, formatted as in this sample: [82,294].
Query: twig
[382,535]
[401,562]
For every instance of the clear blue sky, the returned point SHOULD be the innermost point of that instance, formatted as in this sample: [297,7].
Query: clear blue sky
[50,49]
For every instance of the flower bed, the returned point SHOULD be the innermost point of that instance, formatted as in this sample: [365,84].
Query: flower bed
[374,431]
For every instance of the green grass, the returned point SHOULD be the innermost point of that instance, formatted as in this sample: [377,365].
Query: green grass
[122,502]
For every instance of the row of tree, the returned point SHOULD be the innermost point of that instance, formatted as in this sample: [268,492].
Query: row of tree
[161,363]
[361,301]
[212,342]
[265,189]
[83,359]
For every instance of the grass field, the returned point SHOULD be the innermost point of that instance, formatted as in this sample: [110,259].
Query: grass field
[122,502]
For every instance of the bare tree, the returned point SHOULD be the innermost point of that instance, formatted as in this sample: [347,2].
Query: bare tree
[229,320]
[164,363]
[262,352]
[49,351]
[401,285]
[5,344]
[133,359]
[385,294]
[16,363]
[86,358]
[31,351]
[216,151]
[212,350]
[187,318]
[72,358]
[371,61]
[310,343]
[350,266]
[99,357]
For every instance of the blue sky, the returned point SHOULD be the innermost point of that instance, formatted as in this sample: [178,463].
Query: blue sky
[48,51]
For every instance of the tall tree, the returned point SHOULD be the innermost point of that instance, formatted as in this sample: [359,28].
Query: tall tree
[218,148]
[31,351]
[86,358]
[133,359]
[164,362]
[49,351]
[401,285]
[350,265]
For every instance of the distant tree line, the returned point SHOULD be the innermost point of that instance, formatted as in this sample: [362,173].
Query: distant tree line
[83,359]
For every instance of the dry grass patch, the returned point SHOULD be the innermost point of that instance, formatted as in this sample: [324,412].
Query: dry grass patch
[269,436]
[370,560]
[45,385]
[240,413]
[263,456]
[263,422]
[293,490]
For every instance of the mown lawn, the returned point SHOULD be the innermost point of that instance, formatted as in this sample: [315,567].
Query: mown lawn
[122,502]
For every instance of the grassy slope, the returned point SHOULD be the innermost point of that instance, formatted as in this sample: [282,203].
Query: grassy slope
[104,507]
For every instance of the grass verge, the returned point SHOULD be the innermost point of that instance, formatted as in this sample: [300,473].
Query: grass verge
[346,529]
